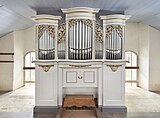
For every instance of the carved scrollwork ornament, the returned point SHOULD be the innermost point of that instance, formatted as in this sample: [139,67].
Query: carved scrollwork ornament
[114,67]
[48,28]
[72,22]
[99,33]
[85,21]
[117,28]
[61,33]
[46,67]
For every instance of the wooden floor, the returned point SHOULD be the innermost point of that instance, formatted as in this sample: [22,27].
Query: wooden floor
[140,104]
[79,114]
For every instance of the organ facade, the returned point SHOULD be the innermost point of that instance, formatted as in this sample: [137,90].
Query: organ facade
[82,54]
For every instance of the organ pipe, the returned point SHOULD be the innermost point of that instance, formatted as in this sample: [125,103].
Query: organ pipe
[113,43]
[46,42]
[80,46]
[113,27]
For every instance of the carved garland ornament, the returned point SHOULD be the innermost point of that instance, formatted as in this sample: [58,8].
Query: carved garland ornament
[61,33]
[99,33]
[117,28]
[85,21]
[49,28]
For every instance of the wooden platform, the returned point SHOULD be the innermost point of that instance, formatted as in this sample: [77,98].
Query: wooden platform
[79,106]
[79,101]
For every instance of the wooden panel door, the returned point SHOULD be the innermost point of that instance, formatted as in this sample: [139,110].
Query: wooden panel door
[89,77]
[70,77]
[79,77]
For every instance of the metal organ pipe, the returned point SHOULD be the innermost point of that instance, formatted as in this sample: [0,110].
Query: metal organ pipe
[74,46]
[49,56]
[44,44]
[113,36]
[48,52]
[76,40]
[72,37]
[109,51]
[90,45]
[83,40]
[46,47]
[113,49]
[47,44]
[86,42]
[50,47]
[80,41]
[116,46]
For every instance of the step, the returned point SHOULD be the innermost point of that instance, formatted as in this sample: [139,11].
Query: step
[79,101]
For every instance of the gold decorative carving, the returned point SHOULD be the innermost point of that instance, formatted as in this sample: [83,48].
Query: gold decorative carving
[61,32]
[85,21]
[46,67]
[117,28]
[99,33]
[72,22]
[114,67]
[49,28]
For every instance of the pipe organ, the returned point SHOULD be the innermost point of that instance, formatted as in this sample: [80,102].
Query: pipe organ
[78,54]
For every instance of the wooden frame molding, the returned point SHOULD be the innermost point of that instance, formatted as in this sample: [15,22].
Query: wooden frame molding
[28,68]
[130,67]
[6,53]
[6,61]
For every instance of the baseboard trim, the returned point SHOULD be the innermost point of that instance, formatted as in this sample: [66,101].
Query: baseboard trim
[114,109]
[45,109]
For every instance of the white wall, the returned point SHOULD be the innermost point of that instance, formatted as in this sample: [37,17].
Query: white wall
[143,56]
[154,61]
[29,40]
[19,43]
[132,37]
[6,69]
[138,40]
[145,40]
[18,59]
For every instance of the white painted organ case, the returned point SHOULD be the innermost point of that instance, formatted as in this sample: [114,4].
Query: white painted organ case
[46,69]
[80,56]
